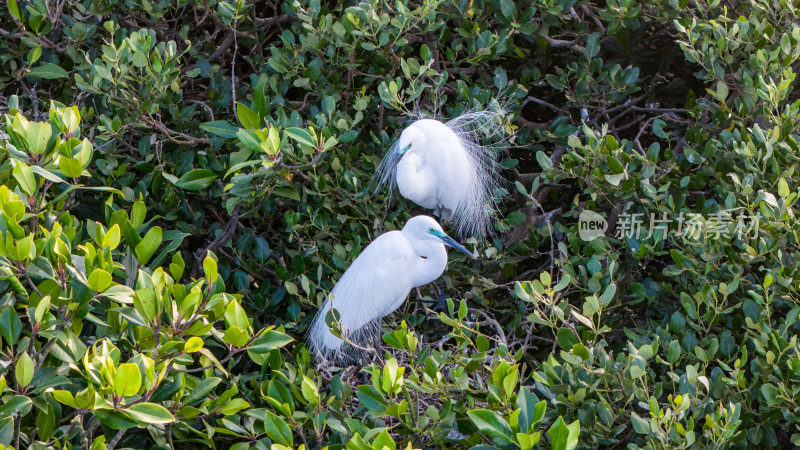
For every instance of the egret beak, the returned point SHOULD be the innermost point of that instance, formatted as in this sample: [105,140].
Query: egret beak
[450,242]
[402,151]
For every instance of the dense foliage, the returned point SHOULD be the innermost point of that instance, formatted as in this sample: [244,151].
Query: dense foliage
[183,183]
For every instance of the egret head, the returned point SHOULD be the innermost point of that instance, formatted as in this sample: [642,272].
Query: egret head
[425,228]
[410,139]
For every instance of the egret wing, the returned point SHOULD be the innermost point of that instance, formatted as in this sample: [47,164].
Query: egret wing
[374,285]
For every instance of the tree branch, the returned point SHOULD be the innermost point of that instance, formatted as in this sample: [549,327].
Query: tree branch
[227,232]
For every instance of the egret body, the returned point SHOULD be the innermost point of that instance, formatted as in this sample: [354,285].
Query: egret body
[378,282]
[443,167]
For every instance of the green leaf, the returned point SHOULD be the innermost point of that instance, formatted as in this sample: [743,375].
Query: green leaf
[492,425]
[177,266]
[235,316]
[247,117]
[127,380]
[99,280]
[640,425]
[580,350]
[64,397]
[210,269]
[614,164]
[196,179]
[384,441]
[112,237]
[722,91]
[277,429]
[150,413]
[47,175]
[544,160]
[139,59]
[10,325]
[15,404]
[148,246]
[531,410]
[371,399]
[45,423]
[771,394]
[674,352]
[614,179]
[302,136]
[120,294]
[234,406]
[236,336]
[328,105]
[13,8]
[563,436]
[37,136]
[527,441]
[658,129]
[193,345]
[566,338]
[261,250]
[48,71]
[500,79]
[425,53]
[23,371]
[203,388]
[144,301]
[783,188]
[592,45]
[114,419]
[268,341]
[138,213]
[220,128]
[24,178]
[288,192]
[41,309]
[508,8]
[309,390]
[248,140]
[70,166]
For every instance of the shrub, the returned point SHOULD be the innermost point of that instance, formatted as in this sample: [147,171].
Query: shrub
[183,183]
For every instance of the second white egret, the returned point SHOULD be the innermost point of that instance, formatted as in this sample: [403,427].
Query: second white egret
[444,167]
[378,282]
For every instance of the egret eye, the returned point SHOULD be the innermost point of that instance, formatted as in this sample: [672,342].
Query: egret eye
[431,230]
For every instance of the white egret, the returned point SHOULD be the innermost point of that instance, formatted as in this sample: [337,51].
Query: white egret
[444,167]
[378,282]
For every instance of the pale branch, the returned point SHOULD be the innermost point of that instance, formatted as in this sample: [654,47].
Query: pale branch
[572,45]
[226,43]
[116,439]
[521,121]
[168,133]
[538,101]
[279,163]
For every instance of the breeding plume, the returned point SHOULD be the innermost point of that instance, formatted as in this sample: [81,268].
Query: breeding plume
[445,168]
[378,282]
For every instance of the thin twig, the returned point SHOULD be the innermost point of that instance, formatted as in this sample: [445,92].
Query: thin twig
[555,108]
[233,73]
[115,441]
[227,232]
[572,45]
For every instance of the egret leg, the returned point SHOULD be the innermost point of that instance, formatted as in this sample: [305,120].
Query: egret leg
[440,304]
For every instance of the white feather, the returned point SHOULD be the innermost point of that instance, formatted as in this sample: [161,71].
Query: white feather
[376,284]
[457,167]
